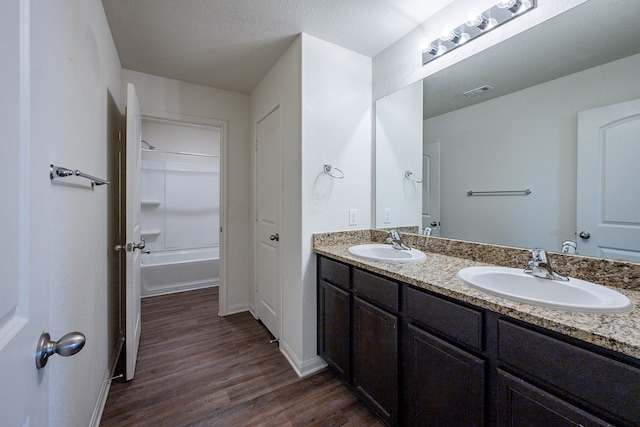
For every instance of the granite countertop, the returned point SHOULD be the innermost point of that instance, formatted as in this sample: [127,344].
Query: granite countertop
[437,273]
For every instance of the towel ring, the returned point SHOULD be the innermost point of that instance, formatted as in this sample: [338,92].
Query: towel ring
[328,169]
[412,177]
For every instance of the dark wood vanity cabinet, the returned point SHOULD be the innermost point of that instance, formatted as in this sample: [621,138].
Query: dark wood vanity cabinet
[334,316]
[444,381]
[421,359]
[577,381]
[444,385]
[375,358]
[522,404]
[334,345]
[358,333]
[375,343]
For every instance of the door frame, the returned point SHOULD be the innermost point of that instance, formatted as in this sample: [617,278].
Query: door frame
[254,311]
[223,305]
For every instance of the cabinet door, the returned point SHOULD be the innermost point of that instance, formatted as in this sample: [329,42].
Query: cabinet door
[445,385]
[375,358]
[333,328]
[522,404]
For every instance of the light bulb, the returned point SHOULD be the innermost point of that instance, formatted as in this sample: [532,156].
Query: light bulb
[431,50]
[424,45]
[437,50]
[514,6]
[511,5]
[477,20]
[451,36]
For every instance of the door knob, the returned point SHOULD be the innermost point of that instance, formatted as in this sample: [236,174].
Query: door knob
[140,245]
[584,235]
[275,237]
[130,247]
[68,345]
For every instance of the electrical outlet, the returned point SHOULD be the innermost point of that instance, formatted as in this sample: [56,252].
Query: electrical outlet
[353,216]
[386,216]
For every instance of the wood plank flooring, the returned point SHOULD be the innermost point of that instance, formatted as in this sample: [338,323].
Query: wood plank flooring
[198,369]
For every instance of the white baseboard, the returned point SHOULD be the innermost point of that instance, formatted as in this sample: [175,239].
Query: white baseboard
[102,400]
[106,385]
[305,368]
[254,313]
[176,289]
[238,308]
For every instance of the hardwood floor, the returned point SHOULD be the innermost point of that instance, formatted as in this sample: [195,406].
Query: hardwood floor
[198,369]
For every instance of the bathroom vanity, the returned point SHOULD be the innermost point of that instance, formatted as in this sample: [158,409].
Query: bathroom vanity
[421,348]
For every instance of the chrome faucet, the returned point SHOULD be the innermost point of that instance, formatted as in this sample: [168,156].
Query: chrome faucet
[540,266]
[397,242]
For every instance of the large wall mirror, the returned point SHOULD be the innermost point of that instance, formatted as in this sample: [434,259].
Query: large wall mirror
[551,150]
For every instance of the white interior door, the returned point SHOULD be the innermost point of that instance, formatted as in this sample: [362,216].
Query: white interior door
[269,205]
[431,188]
[608,208]
[24,309]
[134,244]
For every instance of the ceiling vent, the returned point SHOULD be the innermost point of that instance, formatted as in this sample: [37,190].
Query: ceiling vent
[477,91]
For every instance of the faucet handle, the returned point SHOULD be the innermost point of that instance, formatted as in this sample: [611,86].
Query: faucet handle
[394,234]
[538,255]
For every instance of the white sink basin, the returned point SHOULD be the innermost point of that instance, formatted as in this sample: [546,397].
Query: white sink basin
[574,295]
[382,252]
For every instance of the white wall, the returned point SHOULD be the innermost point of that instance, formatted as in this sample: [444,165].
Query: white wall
[282,87]
[400,64]
[185,190]
[398,147]
[336,130]
[324,93]
[534,133]
[74,64]
[168,98]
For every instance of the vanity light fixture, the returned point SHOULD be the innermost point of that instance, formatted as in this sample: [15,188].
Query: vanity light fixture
[477,24]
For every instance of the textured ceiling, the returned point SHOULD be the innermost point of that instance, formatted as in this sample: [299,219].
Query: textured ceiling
[231,44]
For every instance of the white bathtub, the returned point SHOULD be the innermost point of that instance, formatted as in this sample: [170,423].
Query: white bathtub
[175,271]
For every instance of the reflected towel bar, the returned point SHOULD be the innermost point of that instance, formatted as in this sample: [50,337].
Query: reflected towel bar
[412,177]
[60,172]
[500,193]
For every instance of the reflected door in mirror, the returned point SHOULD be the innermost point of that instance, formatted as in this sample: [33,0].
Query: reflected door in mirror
[608,207]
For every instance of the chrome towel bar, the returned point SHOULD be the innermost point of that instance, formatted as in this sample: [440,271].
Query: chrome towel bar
[60,172]
[500,193]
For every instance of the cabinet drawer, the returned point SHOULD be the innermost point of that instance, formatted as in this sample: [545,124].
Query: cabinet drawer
[333,272]
[376,289]
[462,324]
[607,385]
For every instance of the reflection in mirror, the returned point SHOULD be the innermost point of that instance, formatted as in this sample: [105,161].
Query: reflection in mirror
[524,134]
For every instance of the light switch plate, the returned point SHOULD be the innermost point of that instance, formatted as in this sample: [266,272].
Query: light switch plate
[386,216]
